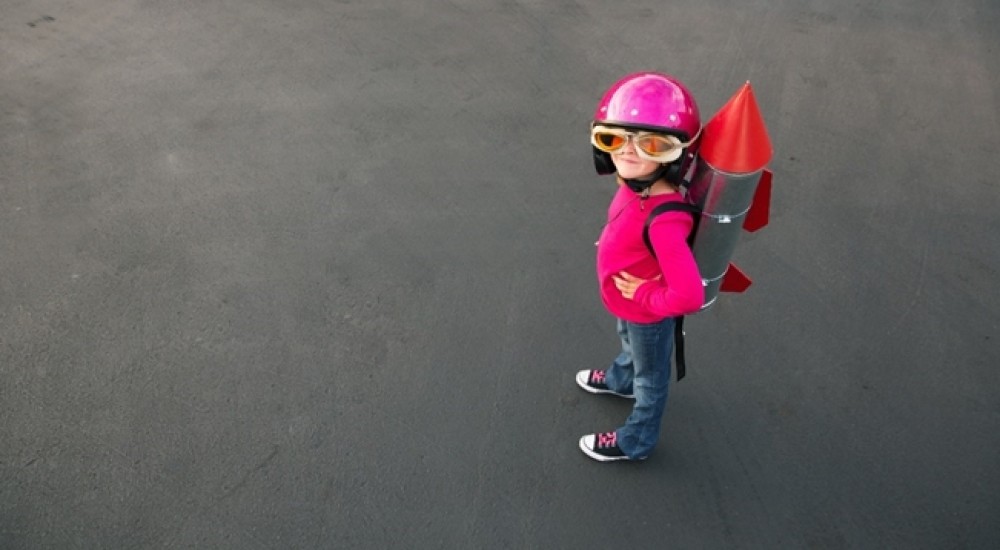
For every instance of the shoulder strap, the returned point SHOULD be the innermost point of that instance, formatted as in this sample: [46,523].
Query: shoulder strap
[695,212]
[672,206]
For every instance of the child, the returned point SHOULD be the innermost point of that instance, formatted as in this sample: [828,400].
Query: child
[643,130]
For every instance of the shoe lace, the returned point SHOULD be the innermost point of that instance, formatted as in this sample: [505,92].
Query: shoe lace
[607,440]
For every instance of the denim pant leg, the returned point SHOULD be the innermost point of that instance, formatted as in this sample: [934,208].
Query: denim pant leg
[651,346]
[619,375]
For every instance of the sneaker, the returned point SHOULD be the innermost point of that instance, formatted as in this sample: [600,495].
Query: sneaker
[593,381]
[603,447]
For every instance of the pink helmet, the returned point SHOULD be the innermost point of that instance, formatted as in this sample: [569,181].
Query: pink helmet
[649,101]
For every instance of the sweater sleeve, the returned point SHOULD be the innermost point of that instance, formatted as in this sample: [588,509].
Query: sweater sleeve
[679,291]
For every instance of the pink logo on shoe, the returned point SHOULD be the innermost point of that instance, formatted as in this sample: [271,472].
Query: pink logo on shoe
[597,376]
[609,439]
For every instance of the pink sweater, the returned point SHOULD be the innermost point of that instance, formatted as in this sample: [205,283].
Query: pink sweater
[621,248]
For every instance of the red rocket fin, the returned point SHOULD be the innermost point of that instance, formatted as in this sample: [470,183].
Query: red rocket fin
[734,280]
[760,208]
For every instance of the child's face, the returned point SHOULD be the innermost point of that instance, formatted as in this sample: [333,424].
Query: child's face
[630,165]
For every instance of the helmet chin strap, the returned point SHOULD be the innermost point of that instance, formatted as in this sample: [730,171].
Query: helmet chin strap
[642,185]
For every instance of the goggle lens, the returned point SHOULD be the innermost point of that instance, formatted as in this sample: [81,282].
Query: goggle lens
[610,142]
[654,144]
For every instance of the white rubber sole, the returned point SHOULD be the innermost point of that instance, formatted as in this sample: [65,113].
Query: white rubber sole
[587,446]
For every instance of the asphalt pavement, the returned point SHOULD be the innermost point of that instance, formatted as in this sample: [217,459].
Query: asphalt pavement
[317,274]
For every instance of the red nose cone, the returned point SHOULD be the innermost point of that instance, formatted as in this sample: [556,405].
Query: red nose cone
[735,140]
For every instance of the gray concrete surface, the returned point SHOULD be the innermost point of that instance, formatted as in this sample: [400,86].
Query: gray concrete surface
[306,274]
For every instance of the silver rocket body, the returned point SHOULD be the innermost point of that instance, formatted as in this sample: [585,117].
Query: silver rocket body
[724,200]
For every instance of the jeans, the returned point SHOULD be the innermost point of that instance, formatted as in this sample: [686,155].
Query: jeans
[643,369]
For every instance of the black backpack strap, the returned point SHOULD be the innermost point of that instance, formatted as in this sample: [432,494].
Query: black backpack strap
[671,206]
[679,347]
[679,320]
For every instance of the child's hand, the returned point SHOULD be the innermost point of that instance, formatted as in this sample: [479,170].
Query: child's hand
[627,284]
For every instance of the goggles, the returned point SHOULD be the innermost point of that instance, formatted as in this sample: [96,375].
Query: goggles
[648,145]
